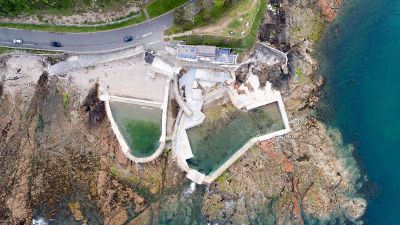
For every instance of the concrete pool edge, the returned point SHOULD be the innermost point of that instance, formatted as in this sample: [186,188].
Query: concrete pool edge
[123,145]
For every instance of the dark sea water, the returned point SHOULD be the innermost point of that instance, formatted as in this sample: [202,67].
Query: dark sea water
[361,61]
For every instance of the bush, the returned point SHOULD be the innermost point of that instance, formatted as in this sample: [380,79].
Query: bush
[211,40]
[179,16]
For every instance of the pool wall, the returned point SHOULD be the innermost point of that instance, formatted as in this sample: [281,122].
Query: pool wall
[124,146]
[198,177]
[215,174]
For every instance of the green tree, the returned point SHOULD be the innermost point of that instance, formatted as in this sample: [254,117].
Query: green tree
[13,7]
[179,16]
[227,3]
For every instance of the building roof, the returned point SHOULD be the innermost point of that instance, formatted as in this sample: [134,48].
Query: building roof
[187,52]
[206,50]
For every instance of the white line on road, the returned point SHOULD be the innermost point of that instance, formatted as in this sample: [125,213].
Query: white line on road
[153,42]
[145,35]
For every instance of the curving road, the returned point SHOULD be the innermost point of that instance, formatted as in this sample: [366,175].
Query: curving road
[149,33]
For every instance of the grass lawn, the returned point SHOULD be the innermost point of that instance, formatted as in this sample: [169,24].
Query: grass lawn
[203,18]
[240,44]
[75,29]
[241,22]
[4,50]
[159,7]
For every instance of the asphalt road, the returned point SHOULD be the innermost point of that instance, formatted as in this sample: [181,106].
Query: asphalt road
[149,33]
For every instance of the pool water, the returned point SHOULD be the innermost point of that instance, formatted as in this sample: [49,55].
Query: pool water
[225,130]
[139,125]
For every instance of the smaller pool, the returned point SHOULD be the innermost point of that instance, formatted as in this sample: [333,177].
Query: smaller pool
[225,130]
[139,125]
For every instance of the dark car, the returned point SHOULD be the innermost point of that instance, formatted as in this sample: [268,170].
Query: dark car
[55,44]
[128,38]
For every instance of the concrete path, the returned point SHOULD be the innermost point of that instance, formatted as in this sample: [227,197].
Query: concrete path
[146,14]
[82,61]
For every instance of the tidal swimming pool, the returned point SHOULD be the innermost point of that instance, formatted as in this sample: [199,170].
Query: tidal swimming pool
[139,125]
[225,130]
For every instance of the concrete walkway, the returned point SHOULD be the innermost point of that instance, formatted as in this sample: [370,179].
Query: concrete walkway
[146,13]
[172,36]
[82,61]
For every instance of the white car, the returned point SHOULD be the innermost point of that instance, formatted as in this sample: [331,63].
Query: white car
[17,41]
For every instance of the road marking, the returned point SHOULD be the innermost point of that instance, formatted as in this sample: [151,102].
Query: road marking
[145,35]
[153,42]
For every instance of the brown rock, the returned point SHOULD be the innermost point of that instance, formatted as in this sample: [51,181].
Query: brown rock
[76,211]
[120,218]
[121,158]
[147,217]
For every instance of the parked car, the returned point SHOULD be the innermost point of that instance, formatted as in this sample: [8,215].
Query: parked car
[18,41]
[128,38]
[55,44]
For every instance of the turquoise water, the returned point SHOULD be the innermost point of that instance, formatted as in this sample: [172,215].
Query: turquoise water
[225,130]
[362,55]
[139,125]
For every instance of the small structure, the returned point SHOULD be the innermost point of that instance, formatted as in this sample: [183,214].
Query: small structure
[206,53]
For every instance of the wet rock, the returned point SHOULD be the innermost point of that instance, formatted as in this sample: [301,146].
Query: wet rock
[355,208]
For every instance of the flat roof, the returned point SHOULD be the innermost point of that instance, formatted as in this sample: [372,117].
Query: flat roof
[187,52]
[207,50]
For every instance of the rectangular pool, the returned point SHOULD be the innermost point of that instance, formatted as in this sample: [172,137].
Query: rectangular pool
[139,125]
[225,130]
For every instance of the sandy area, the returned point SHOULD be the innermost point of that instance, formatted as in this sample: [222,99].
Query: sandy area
[125,78]
[19,71]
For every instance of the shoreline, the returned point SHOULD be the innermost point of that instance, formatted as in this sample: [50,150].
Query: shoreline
[324,112]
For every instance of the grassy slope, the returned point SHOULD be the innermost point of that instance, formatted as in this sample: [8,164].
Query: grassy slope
[4,50]
[56,7]
[75,29]
[155,8]
[204,18]
[234,43]
[159,7]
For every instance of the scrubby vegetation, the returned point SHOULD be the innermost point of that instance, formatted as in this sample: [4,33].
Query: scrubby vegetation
[318,29]
[15,7]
